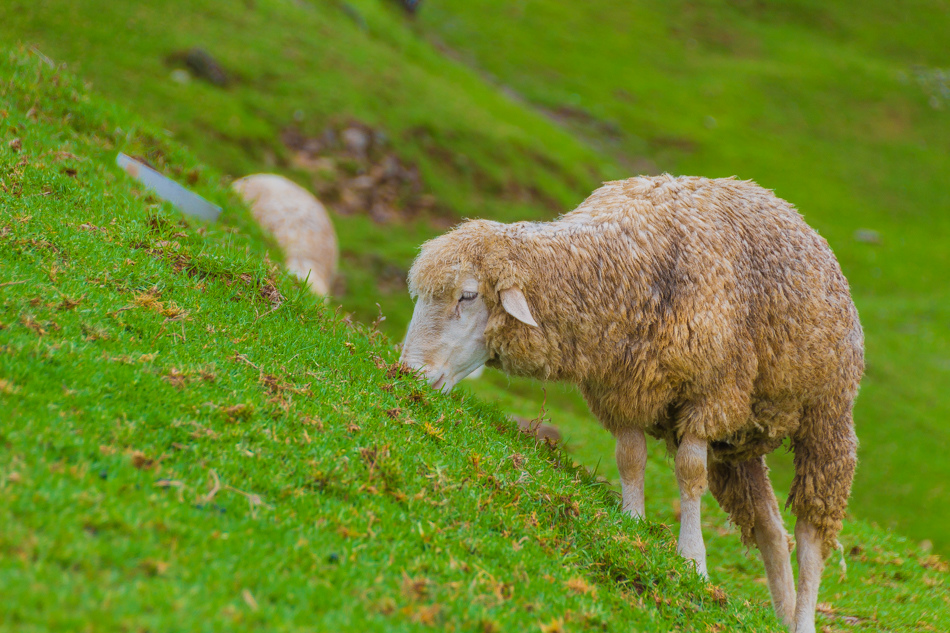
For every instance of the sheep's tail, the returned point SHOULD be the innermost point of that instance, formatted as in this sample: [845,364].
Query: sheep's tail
[825,458]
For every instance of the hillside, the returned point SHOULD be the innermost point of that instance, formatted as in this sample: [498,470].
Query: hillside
[189,442]
[518,110]
[491,114]
[842,108]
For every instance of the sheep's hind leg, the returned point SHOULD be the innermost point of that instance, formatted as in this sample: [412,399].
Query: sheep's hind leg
[744,491]
[632,462]
[691,476]
[771,539]
[825,455]
[811,563]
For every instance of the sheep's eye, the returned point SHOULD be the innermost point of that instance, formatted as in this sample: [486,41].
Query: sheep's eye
[468,296]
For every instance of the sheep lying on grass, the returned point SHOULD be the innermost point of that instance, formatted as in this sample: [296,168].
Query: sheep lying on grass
[702,312]
[298,222]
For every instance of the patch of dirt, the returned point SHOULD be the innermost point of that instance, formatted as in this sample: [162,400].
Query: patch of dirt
[355,170]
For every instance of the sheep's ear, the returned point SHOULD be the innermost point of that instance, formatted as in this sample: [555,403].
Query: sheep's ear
[512,299]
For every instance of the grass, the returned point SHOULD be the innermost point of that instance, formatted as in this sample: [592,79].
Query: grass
[191,443]
[821,107]
[817,101]
[517,110]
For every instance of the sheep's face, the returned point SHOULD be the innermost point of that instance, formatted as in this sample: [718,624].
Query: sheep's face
[446,337]
[460,281]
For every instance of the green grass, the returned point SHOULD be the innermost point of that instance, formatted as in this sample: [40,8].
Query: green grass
[815,100]
[818,102]
[191,443]
[494,99]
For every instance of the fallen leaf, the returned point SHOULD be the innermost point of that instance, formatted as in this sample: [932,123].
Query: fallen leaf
[554,626]
[580,586]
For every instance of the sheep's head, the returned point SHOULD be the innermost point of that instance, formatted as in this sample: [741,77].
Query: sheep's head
[458,280]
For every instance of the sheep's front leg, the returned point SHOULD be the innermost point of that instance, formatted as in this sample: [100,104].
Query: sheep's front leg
[632,462]
[691,476]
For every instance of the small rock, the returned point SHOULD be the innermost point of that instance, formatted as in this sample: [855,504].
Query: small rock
[181,76]
[207,67]
[363,182]
[327,139]
[867,236]
[356,174]
[538,429]
[201,64]
[15,145]
[357,140]
[411,6]
[390,167]
[381,212]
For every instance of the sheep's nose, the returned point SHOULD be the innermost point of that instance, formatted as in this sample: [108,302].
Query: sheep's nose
[415,365]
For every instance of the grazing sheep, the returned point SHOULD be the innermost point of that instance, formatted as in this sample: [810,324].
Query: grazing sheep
[298,222]
[705,313]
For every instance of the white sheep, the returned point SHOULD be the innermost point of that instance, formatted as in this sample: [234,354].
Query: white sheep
[702,312]
[298,222]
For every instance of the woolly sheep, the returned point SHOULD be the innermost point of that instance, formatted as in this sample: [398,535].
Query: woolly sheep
[298,222]
[705,313]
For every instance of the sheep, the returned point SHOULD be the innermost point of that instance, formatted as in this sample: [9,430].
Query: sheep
[298,222]
[701,312]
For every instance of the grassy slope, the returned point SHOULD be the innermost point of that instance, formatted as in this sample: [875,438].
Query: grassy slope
[382,64]
[190,443]
[304,65]
[815,100]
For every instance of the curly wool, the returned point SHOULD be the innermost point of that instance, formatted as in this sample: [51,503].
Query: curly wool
[682,305]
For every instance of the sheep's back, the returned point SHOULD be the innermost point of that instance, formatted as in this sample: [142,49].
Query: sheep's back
[736,294]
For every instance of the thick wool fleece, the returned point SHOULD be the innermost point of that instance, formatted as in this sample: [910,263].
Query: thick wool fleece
[298,222]
[682,305]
